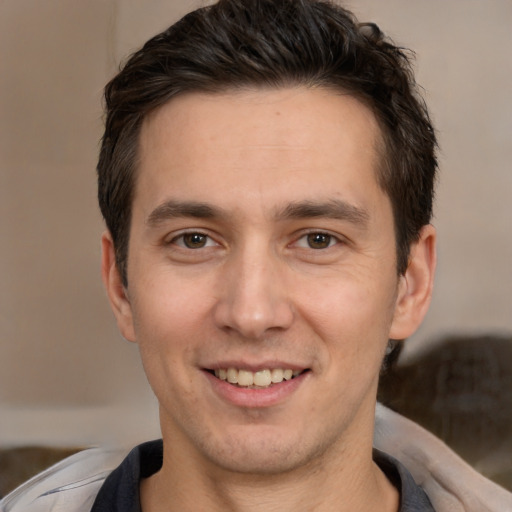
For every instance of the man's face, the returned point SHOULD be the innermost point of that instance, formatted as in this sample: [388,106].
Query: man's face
[261,245]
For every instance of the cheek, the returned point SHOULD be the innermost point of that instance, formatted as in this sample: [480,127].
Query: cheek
[353,317]
[167,326]
[349,303]
[169,307]
[166,346]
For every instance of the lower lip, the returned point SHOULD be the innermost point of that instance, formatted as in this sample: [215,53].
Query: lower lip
[254,397]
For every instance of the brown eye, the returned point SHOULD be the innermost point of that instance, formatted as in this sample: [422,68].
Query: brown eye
[319,240]
[194,240]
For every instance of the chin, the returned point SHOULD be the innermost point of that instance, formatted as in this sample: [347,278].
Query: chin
[259,464]
[260,454]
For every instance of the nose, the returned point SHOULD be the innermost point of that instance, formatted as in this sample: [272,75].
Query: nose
[254,298]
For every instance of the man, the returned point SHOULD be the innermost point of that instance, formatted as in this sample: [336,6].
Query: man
[266,177]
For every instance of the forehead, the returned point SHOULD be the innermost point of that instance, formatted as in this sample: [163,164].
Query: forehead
[259,140]
[318,107]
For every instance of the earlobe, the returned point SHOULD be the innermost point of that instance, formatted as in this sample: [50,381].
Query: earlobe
[116,291]
[415,287]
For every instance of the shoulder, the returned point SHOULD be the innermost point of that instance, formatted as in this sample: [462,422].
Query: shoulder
[70,486]
[451,484]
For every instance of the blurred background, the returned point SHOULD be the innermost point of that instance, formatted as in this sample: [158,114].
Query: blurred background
[66,376]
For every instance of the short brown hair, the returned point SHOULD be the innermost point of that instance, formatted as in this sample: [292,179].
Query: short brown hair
[273,43]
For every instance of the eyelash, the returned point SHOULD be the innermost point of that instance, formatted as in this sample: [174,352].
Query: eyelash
[181,237]
[332,240]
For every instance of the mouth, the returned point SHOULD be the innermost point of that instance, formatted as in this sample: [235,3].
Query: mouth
[261,379]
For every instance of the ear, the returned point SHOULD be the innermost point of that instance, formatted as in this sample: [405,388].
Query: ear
[116,291]
[415,286]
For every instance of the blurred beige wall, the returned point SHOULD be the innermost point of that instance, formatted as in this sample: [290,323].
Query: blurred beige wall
[65,374]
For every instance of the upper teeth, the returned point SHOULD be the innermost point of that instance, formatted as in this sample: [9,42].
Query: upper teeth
[262,378]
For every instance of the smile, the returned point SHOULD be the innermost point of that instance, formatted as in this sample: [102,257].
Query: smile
[260,379]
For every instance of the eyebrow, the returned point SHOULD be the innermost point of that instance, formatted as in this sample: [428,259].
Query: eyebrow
[333,209]
[172,209]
